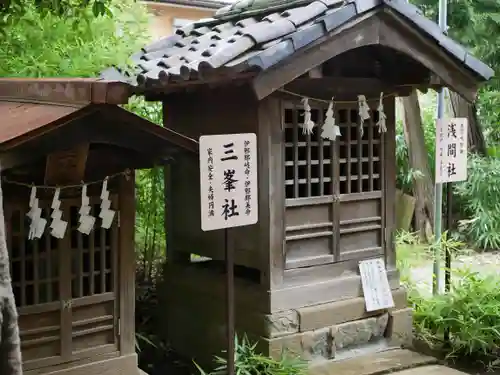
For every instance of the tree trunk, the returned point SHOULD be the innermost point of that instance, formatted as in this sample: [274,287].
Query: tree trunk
[10,346]
[423,187]
[461,108]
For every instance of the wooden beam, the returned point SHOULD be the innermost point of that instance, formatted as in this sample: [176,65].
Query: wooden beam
[316,72]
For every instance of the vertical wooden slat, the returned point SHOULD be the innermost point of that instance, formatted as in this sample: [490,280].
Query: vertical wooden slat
[359,150]
[79,272]
[321,156]
[65,292]
[371,131]
[23,238]
[335,173]
[295,152]
[308,165]
[348,156]
[103,259]
[91,252]
[114,265]
[36,275]
[48,265]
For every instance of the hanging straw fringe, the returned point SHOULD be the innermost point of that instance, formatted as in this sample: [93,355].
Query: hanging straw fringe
[382,128]
[363,111]
[308,125]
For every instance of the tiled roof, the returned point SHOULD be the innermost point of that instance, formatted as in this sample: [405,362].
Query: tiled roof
[253,38]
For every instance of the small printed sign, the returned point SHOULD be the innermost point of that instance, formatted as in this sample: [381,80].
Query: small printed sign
[376,289]
[228,180]
[451,150]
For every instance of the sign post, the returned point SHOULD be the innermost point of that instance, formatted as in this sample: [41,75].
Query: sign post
[228,188]
[451,166]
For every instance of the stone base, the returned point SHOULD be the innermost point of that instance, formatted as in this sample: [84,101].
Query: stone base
[325,331]
[332,330]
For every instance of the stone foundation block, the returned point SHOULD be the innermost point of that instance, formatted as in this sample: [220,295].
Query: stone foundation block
[307,345]
[282,323]
[359,332]
[329,314]
[400,328]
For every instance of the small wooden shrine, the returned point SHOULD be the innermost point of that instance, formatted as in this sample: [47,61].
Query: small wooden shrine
[316,81]
[75,291]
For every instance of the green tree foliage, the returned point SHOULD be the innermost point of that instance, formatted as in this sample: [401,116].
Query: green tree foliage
[476,24]
[54,46]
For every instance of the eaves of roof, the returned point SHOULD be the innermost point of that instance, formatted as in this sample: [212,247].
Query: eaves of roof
[257,39]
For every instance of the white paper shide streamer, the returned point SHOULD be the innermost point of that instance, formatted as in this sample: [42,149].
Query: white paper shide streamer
[330,130]
[363,111]
[308,124]
[382,128]
[58,225]
[85,221]
[37,222]
[106,214]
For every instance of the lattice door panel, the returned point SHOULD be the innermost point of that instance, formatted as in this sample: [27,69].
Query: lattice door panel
[308,158]
[34,264]
[309,190]
[360,153]
[361,184]
[94,283]
[35,276]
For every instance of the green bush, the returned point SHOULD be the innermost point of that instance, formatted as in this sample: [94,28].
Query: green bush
[480,201]
[470,312]
[249,362]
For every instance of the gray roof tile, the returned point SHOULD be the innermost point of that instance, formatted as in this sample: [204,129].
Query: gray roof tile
[338,17]
[258,38]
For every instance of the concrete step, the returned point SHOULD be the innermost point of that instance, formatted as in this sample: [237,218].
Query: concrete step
[388,361]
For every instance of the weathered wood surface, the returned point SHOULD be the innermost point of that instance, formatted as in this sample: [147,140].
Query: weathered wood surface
[419,161]
[405,208]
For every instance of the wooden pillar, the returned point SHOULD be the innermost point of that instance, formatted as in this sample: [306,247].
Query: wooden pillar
[127,263]
[390,182]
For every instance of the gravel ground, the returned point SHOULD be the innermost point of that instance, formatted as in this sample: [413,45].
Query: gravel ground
[485,263]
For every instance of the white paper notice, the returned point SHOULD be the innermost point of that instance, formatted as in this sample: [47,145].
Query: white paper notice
[228,180]
[376,289]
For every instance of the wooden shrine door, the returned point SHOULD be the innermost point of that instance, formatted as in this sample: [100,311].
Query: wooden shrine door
[66,290]
[334,201]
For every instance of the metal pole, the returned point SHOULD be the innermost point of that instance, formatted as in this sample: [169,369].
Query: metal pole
[230,303]
[438,188]
[449,223]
